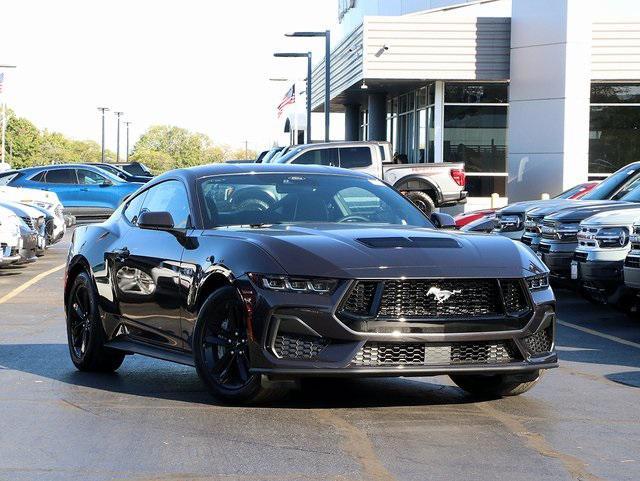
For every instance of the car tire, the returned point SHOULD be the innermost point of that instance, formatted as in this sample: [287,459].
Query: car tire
[497,385]
[85,335]
[221,351]
[422,201]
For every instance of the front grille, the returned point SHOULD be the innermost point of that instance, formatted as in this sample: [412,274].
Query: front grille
[546,248]
[541,342]
[298,347]
[580,256]
[435,298]
[632,262]
[360,298]
[58,211]
[376,354]
[28,220]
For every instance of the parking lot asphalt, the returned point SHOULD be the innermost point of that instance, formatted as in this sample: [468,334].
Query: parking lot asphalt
[153,420]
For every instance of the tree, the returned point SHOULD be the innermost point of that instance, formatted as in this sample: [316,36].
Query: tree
[23,141]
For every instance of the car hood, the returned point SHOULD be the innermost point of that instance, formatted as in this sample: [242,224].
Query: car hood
[592,204]
[22,209]
[548,206]
[624,217]
[580,213]
[356,251]
[24,194]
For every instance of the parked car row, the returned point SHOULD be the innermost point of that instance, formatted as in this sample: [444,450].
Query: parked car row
[594,242]
[86,191]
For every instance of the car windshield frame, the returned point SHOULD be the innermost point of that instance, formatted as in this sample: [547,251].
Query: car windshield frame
[412,210]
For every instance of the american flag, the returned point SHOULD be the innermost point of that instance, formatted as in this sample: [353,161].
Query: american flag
[1,81]
[289,98]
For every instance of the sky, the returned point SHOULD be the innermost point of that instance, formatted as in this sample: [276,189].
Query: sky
[203,65]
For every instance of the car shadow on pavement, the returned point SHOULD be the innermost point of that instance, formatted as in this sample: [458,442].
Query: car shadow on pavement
[140,376]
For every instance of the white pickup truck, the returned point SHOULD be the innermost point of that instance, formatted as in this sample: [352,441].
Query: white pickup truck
[427,185]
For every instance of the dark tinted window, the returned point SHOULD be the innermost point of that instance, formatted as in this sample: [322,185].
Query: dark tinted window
[61,176]
[133,207]
[7,177]
[171,197]
[615,93]
[89,177]
[613,137]
[351,157]
[38,177]
[475,93]
[318,157]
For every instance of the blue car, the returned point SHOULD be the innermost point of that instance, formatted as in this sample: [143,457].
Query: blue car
[84,190]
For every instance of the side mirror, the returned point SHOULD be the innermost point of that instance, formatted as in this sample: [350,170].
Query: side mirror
[155,221]
[443,221]
[106,183]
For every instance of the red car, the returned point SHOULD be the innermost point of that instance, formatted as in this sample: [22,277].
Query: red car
[574,193]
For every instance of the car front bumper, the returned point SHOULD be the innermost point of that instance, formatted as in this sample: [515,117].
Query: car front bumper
[295,340]
[558,257]
[601,272]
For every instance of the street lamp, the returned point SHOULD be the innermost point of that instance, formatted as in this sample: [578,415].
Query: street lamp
[103,110]
[299,55]
[118,114]
[327,73]
[127,124]
[4,113]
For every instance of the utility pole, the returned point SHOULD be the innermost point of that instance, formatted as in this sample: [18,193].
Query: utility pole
[103,110]
[246,150]
[127,124]
[118,114]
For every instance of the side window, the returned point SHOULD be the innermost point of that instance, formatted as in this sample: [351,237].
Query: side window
[36,178]
[89,177]
[318,157]
[61,176]
[171,197]
[354,157]
[132,210]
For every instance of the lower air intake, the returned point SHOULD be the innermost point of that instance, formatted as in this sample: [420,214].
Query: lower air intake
[298,347]
[432,354]
[541,342]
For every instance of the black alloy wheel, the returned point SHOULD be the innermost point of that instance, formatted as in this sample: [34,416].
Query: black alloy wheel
[85,334]
[221,350]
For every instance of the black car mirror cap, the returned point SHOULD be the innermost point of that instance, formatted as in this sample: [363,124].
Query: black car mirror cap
[156,220]
[443,221]
[106,183]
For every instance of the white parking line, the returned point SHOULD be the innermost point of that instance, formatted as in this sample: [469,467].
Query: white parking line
[593,332]
[29,283]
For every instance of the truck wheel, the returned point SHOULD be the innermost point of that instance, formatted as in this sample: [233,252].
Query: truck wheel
[422,201]
[497,385]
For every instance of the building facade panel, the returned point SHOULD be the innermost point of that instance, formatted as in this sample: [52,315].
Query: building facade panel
[615,53]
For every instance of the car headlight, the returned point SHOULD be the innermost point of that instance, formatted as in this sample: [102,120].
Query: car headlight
[312,285]
[538,282]
[510,223]
[612,237]
[40,221]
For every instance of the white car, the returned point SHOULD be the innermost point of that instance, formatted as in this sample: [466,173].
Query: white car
[10,238]
[35,222]
[43,199]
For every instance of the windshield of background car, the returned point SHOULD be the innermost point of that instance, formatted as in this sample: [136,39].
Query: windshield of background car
[615,186]
[256,199]
[284,159]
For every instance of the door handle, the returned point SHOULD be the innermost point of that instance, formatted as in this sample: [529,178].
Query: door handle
[84,189]
[122,254]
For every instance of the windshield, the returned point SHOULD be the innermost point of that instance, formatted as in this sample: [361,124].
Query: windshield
[613,187]
[257,199]
[113,170]
[270,155]
[288,156]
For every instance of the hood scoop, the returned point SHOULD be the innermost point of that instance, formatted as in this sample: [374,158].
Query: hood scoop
[409,242]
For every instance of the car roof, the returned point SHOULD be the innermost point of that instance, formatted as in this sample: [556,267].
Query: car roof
[200,171]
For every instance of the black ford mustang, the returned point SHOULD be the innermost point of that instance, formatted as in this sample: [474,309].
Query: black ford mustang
[257,274]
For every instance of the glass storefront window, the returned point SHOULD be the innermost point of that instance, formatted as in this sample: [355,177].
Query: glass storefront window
[484,186]
[614,137]
[476,93]
[421,97]
[477,136]
[614,93]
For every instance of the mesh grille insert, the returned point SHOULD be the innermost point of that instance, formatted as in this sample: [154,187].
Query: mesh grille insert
[298,347]
[360,298]
[434,354]
[514,298]
[540,342]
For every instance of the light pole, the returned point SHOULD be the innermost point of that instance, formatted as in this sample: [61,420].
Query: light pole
[103,110]
[327,73]
[127,124]
[118,114]
[4,110]
[298,55]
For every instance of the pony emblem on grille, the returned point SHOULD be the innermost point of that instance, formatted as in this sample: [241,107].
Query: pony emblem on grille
[441,295]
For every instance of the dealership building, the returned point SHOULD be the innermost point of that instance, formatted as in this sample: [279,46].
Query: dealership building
[534,96]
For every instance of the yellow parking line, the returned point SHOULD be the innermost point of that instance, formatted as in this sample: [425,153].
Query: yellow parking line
[609,337]
[29,283]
